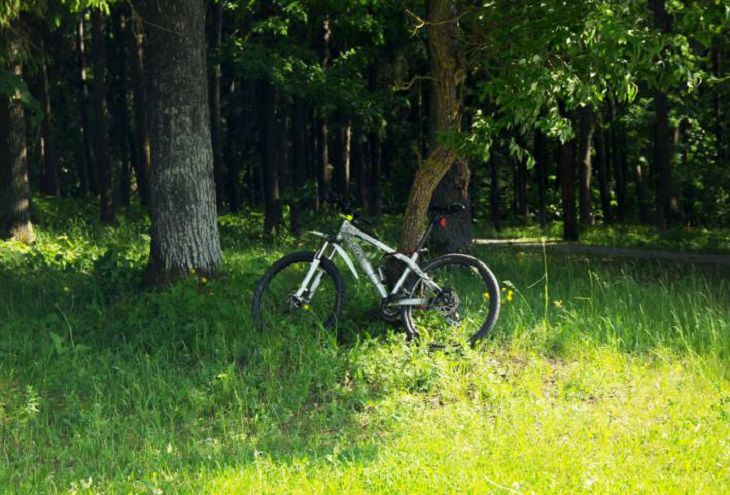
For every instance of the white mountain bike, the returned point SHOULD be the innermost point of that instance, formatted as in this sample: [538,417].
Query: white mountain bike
[452,300]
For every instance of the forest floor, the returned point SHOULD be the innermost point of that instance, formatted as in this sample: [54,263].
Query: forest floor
[602,376]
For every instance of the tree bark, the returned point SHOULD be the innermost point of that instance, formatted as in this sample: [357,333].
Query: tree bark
[51,182]
[522,209]
[668,211]
[101,118]
[542,176]
[604,184]
[567,189]
[143,153]
[272,201]
[376,191]
[447,78]
[84,156]
[120,89]
[216,131]
[298,160]
[15,222]
[586,128]
[182,203]
[494,195]
[341,160]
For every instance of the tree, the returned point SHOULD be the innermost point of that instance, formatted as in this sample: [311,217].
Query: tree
[184,230]
[15,222]
[447,77]
[101,117]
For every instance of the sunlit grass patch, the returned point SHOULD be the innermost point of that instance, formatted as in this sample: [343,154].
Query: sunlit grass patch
[613,377]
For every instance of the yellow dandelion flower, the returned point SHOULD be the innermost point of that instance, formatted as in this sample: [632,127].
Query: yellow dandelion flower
[510,294]
[305,307]
[203,280]
[486,296]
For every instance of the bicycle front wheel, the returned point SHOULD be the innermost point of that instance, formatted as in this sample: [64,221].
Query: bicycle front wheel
[463,309]
[284,297]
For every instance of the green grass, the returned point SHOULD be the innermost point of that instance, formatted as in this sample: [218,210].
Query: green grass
[694,239]
[619,384]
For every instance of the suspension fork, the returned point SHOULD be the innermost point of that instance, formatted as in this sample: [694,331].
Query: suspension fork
[314,274]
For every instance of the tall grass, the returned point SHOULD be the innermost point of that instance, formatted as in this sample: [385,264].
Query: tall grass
[616,382]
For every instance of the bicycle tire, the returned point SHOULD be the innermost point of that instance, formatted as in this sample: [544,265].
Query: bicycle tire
[486,276]
[299,257]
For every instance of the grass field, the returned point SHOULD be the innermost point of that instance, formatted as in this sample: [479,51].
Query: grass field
[600,377]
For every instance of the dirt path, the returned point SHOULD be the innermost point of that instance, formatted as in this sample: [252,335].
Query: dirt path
[636,253]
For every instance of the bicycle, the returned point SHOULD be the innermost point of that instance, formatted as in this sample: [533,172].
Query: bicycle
[451,300]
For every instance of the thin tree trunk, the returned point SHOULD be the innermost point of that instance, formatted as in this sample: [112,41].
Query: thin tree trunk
[15,220]
[717,69]
[51,182]
[642,193]
[616,148]
[604,185]
[272,202]
[341,159]
[85,159]
[521,205]
[567,189]
[361,165]
[541,166]
[182,202]
[298,160]
[235,126]
[324,171]
[586,128]
[143,152]
[101,118]
[494,199]
[668,211]
[376,192]
[215,104]
[120,90]
[447,76]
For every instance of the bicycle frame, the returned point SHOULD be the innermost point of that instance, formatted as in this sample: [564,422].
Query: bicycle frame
[347,233]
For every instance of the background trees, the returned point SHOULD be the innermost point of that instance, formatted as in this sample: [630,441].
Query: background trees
[585,112]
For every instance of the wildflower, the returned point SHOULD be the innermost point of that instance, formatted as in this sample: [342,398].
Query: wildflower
[510,294]
[558,303]
[486,296]
[203,280]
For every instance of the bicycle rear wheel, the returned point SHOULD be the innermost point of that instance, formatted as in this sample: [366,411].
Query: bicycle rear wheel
[462,311]
[276,303]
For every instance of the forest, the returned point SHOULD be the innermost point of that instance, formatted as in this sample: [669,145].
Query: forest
[158,156]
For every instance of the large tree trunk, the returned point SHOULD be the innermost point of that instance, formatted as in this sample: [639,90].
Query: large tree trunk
[51,182]
[216,131]
[84,155]
[586,128]
[14,186]
[567,189]
[101,118]
[668,211]
[143,153]
[447,78]
[184,228]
